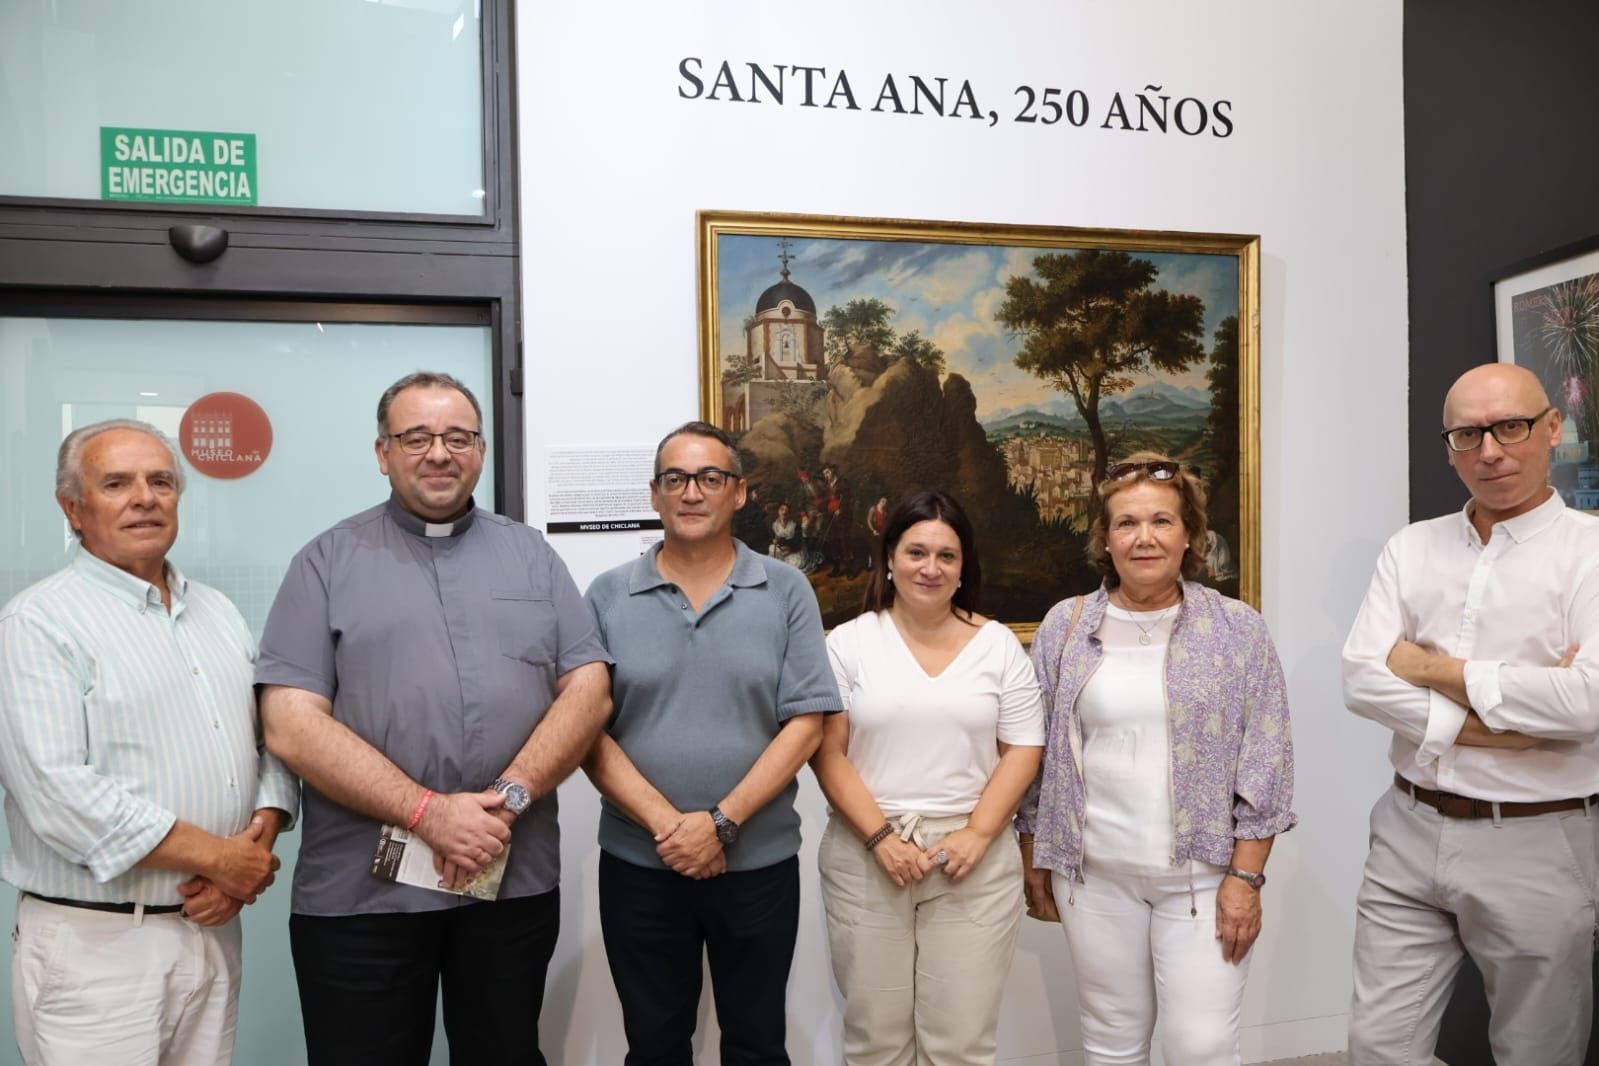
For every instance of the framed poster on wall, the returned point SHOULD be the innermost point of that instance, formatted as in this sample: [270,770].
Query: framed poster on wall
[1546,313]
[855,360]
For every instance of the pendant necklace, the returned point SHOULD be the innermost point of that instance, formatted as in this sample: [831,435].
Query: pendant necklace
[1144,633]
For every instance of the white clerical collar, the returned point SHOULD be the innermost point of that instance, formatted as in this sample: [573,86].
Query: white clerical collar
[421,527]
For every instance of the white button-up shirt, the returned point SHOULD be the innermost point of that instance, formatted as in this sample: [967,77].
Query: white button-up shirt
[118,718]
[1510,608]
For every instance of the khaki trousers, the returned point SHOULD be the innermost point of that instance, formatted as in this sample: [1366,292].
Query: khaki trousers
[922,967]
[1519,896]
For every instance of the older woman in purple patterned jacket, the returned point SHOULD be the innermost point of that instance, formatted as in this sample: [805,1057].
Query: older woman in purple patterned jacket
[1169,770]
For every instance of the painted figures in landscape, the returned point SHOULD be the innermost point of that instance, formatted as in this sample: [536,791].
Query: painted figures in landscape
[853,370]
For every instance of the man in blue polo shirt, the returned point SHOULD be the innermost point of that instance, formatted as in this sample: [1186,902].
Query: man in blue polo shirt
[720,684]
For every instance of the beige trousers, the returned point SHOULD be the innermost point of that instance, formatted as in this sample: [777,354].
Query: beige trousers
[1520,897]
[922,967]
[96,989]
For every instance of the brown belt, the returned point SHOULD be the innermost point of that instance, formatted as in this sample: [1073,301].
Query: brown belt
[1452,806]
[107,908]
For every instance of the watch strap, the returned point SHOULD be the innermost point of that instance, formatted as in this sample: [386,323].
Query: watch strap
[1253,880]
[726,828]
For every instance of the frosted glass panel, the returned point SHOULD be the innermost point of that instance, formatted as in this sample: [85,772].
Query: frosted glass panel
[369,105]
[318,385]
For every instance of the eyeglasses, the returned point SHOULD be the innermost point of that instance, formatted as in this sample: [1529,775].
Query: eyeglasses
[1161,470]
[418,441]
[711,480]
[1505,431]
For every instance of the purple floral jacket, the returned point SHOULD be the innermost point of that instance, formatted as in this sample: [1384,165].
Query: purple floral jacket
[1232,750]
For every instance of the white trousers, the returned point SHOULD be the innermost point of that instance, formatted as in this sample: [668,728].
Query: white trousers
[96,989]
[1137,949]
[921,968]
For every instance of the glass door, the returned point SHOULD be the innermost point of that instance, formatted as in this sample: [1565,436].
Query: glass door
[276,420]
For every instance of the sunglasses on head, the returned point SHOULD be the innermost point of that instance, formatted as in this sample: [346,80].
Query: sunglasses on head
[1161,470]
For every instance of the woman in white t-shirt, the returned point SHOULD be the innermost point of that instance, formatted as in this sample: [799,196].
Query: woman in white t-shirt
[943,731]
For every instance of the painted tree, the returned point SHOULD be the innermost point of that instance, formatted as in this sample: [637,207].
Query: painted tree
[858,321]
[1091,321]
[738,370]
[914,346]
[1224,398]
[1222,484]
[1569,326]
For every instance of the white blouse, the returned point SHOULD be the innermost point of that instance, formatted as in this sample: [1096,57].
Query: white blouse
[927,745]
[1126,763]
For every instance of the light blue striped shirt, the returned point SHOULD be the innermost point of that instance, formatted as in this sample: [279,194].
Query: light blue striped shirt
[118,718]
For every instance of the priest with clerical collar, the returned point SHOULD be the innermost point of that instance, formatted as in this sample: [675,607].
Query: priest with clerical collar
[431,672]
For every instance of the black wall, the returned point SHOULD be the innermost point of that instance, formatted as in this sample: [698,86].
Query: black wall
[1501,163]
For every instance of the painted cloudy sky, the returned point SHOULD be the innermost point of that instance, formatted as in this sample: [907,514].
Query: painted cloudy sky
[949,292]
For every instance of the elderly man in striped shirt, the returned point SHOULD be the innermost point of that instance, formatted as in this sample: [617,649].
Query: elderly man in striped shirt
[141,806]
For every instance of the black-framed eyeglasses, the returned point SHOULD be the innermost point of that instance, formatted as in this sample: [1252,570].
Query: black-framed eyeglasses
[418,441]
[710,479]
[1160,470]
[1505,431]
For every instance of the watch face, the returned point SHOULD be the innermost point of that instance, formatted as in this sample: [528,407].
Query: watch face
[517,798]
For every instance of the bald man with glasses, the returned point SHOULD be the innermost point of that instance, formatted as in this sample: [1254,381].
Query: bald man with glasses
[720,684]
[1478,646]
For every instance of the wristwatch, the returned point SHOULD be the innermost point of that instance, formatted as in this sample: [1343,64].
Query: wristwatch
[1256,881]
[726,828]
[517,798]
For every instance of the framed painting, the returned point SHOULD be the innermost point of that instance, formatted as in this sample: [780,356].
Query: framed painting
[855,360]
[1546,312]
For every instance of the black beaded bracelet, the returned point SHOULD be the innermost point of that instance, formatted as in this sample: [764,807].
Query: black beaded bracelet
[880,836]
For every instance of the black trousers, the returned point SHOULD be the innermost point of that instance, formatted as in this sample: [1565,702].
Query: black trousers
[659,927]
[369,982]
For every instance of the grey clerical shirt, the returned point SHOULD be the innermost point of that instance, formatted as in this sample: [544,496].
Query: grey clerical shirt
[699,695]
[439,645]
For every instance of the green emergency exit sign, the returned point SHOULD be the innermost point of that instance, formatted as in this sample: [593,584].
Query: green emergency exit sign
[177,166]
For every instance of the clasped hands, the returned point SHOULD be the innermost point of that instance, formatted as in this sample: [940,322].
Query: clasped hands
[904,862]
[690,846]
[467,831]
[242,868]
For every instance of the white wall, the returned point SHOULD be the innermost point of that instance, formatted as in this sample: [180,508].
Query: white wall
[615,165]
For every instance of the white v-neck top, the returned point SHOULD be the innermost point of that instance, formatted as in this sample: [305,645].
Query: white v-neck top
[928,745]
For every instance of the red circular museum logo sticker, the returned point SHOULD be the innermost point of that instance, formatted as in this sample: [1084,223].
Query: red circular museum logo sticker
[225,435]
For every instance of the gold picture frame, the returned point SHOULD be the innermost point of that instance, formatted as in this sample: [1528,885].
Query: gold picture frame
[855,359]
